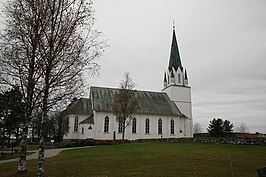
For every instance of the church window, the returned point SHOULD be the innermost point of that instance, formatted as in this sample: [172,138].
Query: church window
[160,126]
[179,78]
[106,124]
[120,127]
[172,127]
[82,130]
[134,125]
[76,124]
[147,126]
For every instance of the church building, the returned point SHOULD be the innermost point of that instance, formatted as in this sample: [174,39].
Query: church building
[162,114]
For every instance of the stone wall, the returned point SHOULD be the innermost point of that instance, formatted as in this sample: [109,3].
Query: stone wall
[211,140]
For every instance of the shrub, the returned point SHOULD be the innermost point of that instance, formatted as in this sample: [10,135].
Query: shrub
[76,143]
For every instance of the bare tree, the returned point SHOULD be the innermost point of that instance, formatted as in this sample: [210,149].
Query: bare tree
[65,46]
[68,47]
[19,59]
[243,128]
[125,103]
[197,128]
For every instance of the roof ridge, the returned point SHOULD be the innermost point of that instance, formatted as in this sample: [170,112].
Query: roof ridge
[147,91]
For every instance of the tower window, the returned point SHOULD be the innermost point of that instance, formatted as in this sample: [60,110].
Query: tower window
[120,127]
[134,125]
[76,124]
[106,124]
[147,126]
[160,126]
[172,127]
[179,78]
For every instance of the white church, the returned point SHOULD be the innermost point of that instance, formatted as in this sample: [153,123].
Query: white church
[162,114]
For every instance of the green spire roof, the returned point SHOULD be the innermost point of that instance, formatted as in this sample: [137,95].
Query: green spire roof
[186,74]
[175,60]
[165,80]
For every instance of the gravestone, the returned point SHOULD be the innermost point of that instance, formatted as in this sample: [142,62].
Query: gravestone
[261,172]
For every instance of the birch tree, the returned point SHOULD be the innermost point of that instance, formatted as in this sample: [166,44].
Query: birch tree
[125,103]
[66,49]
[20,60]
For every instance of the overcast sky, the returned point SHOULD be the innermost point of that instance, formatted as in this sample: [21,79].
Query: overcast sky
[222,44]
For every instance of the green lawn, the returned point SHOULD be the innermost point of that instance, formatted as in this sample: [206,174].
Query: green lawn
[29,147]
[152,159]
[8,155]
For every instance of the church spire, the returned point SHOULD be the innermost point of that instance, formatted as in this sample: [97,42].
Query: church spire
[175,60]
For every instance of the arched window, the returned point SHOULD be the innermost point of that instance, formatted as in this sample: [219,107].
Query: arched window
[147,126]
[120,127]
[76,124]
[179,78]
[134,125]
[106,124]
[172,127]
[160,126]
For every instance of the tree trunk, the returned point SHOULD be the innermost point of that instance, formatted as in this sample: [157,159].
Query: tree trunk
[23,150]
[17,135]
[9,137]
[123,132]
[123,136]
[3,140]
[40,172]
[40,169]
[22,146]
[32,133]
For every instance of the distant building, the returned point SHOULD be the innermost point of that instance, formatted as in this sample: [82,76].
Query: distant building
[250,135]
[166,114]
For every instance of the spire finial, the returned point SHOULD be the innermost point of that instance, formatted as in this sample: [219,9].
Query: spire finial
[173,24]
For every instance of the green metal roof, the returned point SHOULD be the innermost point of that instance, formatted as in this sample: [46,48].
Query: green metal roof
[165,80]
[89,120]
[156,103]
[186,74]
[175,60]
[81,106]
[102,100]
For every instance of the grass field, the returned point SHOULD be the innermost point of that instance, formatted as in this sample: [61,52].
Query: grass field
[152,159]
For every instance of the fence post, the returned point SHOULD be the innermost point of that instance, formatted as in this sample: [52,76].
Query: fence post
[114,138]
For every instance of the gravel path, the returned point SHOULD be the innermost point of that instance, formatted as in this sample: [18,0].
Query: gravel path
[47,153]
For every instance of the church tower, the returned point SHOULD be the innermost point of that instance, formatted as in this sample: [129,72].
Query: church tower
[176,85]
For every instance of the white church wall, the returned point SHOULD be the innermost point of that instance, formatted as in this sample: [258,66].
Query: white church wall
[189,126]
[71,133]
[153,130]
[182,97]
[97,129]
[88,132]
